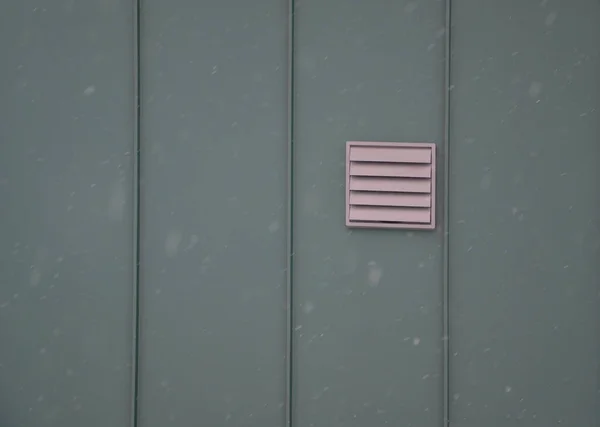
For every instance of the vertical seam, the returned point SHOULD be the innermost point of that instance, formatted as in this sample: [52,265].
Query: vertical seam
[290,214]
[446,230]
[136,216]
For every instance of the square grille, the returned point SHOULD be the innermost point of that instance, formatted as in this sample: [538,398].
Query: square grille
[390,185]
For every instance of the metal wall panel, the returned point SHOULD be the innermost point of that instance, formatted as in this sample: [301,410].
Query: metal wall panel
[213,213]
[368,324]
[65,213]
[368,318]
[524,212]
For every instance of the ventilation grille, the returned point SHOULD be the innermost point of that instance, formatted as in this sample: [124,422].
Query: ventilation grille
[390,185]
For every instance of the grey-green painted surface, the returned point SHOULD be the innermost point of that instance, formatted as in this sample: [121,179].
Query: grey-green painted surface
[65,213]
[368,324]
[368,318]
[213,213]
[525,210]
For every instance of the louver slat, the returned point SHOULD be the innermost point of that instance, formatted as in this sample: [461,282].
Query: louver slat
[390,185]
[358,198]
[390,169]
[380,154]
[387,214]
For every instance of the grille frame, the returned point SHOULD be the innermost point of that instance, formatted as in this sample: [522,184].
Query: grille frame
[403,155]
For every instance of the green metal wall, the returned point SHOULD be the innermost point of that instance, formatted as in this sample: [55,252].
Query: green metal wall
[213,224]
[66,132]
[524,213]
[367,303]
[173,311]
